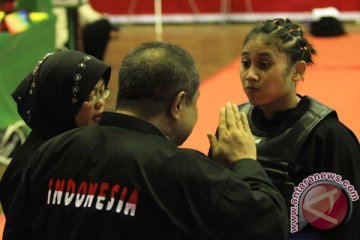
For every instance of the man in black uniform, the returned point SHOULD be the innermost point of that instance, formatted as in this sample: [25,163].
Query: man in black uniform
[127,179]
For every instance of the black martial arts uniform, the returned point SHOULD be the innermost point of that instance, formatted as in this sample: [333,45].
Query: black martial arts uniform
[11,177]
[125,180]
[299,142]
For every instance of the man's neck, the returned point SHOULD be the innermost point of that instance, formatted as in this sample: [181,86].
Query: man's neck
[159,121]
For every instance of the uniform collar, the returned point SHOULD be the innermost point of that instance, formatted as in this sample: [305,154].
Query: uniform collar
[280,119]
[129,122]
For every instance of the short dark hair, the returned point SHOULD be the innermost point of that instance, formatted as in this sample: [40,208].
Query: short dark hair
[286,36]
[152,74]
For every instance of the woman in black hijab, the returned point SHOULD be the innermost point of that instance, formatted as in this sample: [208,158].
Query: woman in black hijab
[66,90]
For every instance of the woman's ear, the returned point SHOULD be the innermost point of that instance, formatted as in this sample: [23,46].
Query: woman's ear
[177,104]
[299,70]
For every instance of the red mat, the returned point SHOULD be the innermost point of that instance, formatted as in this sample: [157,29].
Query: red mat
[334,80]
[2,223]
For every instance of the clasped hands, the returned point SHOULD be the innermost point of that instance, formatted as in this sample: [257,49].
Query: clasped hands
[235,140]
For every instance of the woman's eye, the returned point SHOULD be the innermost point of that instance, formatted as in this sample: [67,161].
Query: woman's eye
[90,98]
[245,63]
[264,65]
[101,91]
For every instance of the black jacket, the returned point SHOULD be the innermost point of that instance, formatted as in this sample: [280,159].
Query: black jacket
[125,180]
[12,175]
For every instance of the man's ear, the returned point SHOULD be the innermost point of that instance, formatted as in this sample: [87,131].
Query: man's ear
[299,70]
[177,104]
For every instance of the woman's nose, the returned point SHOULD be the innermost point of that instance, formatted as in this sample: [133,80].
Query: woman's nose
[252,75]
[100,103]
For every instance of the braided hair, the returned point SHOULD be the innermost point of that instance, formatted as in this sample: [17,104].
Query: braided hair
[286,36]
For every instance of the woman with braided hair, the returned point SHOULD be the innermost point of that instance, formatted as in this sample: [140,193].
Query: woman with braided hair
[296,136]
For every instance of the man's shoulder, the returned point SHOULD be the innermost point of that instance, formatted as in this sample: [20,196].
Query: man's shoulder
[69,136]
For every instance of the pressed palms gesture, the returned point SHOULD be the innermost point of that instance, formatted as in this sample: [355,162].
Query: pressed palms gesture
[235,140]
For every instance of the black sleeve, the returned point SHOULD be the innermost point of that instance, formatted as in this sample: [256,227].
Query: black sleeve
[12,175]
[332,147]
[18,224]
[241,203]
[18,220]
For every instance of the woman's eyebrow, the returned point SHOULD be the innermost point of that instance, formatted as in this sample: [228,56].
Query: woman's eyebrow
[244,53]
[101,87]
[260,54]
[265,54]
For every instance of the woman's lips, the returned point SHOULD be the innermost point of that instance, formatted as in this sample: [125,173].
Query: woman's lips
[251,90]
[97,117]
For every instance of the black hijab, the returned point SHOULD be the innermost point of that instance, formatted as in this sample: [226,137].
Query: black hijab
[50,96]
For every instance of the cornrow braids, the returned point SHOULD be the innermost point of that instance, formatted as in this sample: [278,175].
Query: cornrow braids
[286,36]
